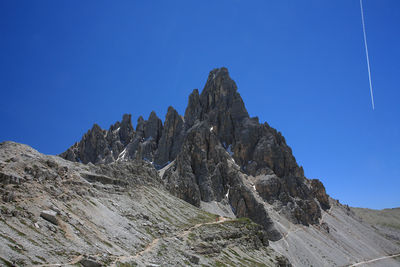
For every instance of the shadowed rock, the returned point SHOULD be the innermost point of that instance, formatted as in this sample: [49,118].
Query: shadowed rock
[171,138]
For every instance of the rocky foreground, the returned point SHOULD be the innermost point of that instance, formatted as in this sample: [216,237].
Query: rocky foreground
[56,212]
[212,188]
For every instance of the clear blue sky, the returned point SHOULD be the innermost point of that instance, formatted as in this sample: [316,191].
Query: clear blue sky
[299,65]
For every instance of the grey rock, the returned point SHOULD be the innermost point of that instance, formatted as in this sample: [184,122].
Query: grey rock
[8,196]
[193,258]
[50,216]
[10,179]
[268,187]
[191,177]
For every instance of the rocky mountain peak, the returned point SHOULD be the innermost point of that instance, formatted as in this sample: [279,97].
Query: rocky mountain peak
[220,95]
[218,99]
[217,153]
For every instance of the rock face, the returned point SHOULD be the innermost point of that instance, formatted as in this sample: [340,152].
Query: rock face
[120,142]
[215,149]
[171,138]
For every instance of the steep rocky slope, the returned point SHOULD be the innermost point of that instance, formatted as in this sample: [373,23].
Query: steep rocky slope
[55,212]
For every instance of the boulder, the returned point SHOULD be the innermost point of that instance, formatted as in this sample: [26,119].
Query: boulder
[49,215]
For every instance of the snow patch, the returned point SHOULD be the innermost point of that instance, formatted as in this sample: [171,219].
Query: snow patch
[121,155]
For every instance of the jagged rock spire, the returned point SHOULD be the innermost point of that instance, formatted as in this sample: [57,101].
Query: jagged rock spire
[126,131]
[220,95]
[171,138]
[153,128]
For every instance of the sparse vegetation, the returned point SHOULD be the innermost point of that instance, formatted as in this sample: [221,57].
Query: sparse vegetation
[107,243]
[33,241]
[92,202]
[41,258]
[150,232]
[16,248]
[220,264]
[6,262]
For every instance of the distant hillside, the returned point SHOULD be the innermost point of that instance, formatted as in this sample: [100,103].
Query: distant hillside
[386,221]
[387,217]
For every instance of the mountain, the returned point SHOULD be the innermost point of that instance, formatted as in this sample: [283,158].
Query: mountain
[179,193]
[213,148]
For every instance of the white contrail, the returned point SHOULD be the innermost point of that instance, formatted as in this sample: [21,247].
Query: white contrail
[366,52]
